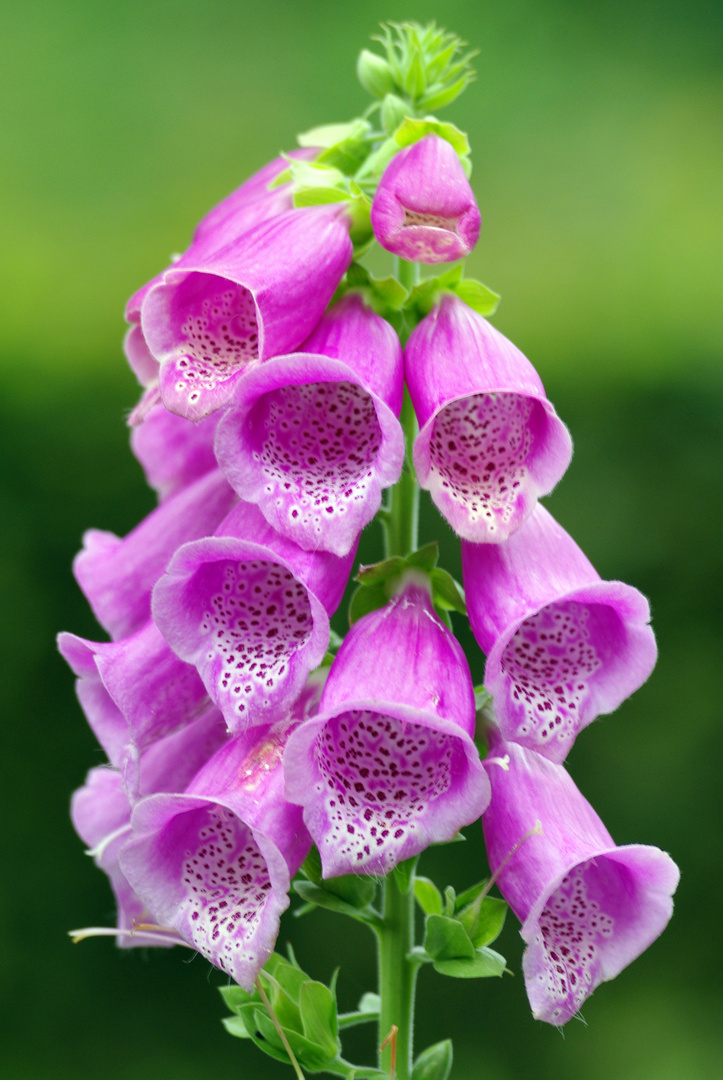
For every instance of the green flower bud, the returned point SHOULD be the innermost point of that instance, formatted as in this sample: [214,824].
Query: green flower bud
[394,112]
[374,74]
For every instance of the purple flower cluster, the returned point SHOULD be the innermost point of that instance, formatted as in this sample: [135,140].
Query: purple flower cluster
[269,427]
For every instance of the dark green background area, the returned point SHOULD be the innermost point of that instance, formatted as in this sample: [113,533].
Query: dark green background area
[598,167]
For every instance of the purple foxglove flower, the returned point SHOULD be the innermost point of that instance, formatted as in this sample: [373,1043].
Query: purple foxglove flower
[424,209]
[101,814]
[490,443]
[562,646]
[388,766]
[216,862]
[251,610]
[313,437]
[172,450]
[587,907]
[133,692]
[117,576]
[245,207]
[218,314]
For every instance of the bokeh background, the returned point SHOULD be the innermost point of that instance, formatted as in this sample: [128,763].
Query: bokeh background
[598,167]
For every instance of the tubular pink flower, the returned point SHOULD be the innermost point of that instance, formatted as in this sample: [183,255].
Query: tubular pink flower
[117,576]
[251,610]
[562,645]
[490,443]
[218,314]
[216,862]
[313,437]
[133,692]
[173,451]
[101,814]
[424,209]
[587,907]
[389,766]
[245,207]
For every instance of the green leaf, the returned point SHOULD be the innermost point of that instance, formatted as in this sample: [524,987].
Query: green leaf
[323,899]
[414,79]
[477,296]
[447,939]
[377,573]
[443,97]
[425,558]
[447,592]
[355,889]
[412,131]
[235,997]
[483,965]
[365,600]
[311,866]
[450,900]
[434,1063]
[428,896]
[235,1026]
[484,921]
[404,874]
[318,1016]
[328,135]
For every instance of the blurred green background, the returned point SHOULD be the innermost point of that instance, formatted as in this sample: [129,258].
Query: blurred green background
[597,146]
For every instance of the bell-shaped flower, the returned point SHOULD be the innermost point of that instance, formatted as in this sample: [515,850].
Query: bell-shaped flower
[250,204]
[313,436]
[562,645]
[133,692]
[490,443]
[388,766]
[424,209]
[250,609]
[587,907]
[101,814]
[219,314]
[117,575]
[173,451]
[216,862]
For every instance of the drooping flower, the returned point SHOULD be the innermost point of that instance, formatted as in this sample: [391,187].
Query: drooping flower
[587,907]
[117,575]
[562,645]
[217,315]
[216,862]
[101,815]
[490,443]
[173,451]
[424,209]
[250,204]
[313,437]
[388,766]
[134,692]
[250,609]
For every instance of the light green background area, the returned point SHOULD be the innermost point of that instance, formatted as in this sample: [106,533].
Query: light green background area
[596,135]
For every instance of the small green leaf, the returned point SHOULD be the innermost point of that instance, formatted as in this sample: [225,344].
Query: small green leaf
[234,997]
[318,1016]
[394,112]
[483,922]
[323,899]
[447,939]
[477,296]
[444,97]
[412,131]
[425,558]
[404,874]
[365,600]
[434,1063]
[447,593]
[414,80]
[311,866]
[355,889]
[450,900]
[367,1012]
[370,1003]
[235,1026]
[483,965]
[428,896]
[377,573]
[328,135]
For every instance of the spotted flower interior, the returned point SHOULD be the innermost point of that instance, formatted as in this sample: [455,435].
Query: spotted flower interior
[483,451]
[317,445]
[379,778]
[255,617]
[552,667]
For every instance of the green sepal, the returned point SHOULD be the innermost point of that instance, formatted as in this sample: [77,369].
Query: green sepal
[424,296]
[434,1063]
[394,112]
[374,73]
[383,295]
[317,1006]
[381,572]
[404,874]
[437,97]
[447,939]
[235,1026]
[311,866]
[450,900]
[328,136]
[477,296]
[482,698]
[414,80]
[485,964]
[446,592]
[355,889]
[484,921]
[312,894]
[428,896]
[365,600]
[426,558]
[411,131]
[235,997]
[310,1056]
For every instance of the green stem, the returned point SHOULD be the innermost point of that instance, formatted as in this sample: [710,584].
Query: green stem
[401,520]
[397,976]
